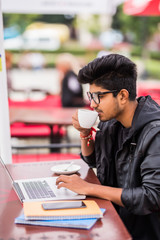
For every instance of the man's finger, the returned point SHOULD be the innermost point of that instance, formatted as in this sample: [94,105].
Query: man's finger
[60,185]
[61,178]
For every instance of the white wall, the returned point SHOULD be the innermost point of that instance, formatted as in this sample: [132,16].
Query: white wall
[5,143]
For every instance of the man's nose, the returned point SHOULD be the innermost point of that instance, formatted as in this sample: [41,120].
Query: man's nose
[93,104]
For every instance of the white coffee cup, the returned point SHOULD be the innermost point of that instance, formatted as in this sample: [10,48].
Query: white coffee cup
[87,118]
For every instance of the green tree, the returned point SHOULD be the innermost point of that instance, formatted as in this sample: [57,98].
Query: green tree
[23,20]
[19,20]
[141,28]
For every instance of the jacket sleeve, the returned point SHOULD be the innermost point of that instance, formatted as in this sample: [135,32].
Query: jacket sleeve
[90,160]
[145,199]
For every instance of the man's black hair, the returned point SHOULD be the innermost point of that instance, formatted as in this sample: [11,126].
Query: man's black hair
[111,72]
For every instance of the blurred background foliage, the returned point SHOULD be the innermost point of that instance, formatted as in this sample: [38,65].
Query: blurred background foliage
[137,32]
[23,20]
[135,27]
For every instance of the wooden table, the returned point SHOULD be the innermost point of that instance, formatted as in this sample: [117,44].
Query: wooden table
[110,227]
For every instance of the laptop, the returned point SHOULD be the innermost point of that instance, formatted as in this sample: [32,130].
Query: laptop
[40,189]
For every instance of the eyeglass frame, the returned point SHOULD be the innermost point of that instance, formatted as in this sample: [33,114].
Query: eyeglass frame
[90,95]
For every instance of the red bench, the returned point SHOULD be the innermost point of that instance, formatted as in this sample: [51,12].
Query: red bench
[21,130]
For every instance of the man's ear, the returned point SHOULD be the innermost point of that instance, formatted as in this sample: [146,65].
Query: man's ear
[123,96]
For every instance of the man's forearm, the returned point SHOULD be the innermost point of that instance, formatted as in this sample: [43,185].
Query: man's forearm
[86,149]
[105,192]
[80,186]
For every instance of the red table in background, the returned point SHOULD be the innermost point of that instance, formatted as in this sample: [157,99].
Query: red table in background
[42,116]
[21,130]
[48,116]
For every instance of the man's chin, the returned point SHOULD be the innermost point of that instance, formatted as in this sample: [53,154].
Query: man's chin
[102,119]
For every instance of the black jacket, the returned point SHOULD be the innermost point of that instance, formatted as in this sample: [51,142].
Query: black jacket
[130,159]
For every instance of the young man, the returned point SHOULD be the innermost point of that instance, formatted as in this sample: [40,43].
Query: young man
[126,151]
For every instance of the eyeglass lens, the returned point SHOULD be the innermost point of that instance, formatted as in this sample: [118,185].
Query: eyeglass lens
[93,96]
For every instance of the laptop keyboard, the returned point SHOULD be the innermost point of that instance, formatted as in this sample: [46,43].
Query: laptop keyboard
[38,189]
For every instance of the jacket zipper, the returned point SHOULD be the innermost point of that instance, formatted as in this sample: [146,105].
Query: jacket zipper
[132,150]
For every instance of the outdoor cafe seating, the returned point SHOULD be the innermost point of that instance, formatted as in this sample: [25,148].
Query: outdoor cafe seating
[22,130]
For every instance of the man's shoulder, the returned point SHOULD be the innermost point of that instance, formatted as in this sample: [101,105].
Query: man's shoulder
[148,133]
[154,124]
[151,128]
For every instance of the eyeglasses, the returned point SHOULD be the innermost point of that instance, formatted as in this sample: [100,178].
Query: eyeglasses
[96,96]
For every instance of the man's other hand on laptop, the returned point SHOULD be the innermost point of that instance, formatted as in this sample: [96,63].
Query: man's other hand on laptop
[75,184]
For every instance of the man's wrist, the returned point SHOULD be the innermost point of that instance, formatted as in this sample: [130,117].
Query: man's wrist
[85,132]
